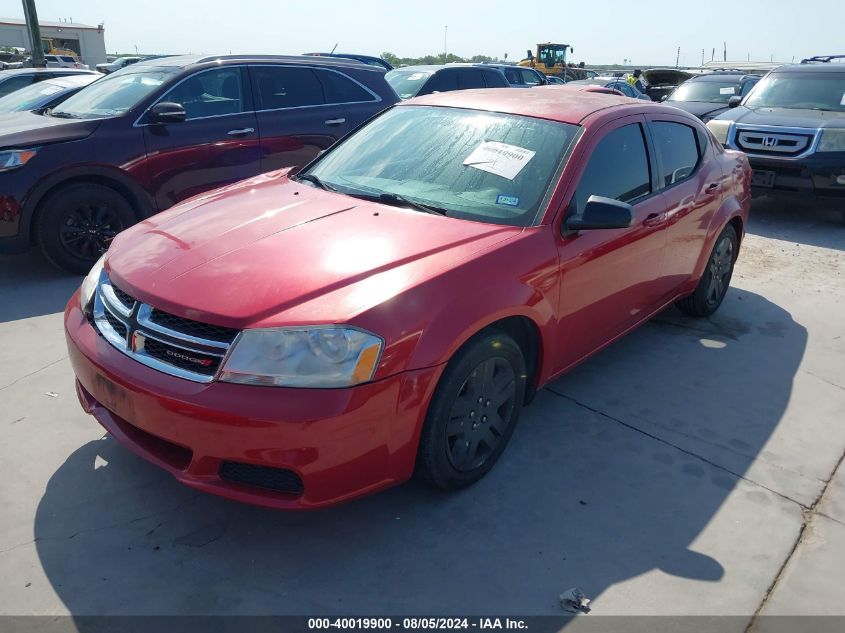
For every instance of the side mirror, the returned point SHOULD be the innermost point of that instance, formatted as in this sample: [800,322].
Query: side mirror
[166,112]
[734,101]
[602,213]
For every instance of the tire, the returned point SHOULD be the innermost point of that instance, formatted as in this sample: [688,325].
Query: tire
[463,420]
[78,222]
[716,280]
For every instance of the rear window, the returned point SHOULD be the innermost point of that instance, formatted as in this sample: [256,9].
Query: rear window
[341,89]
[66,58]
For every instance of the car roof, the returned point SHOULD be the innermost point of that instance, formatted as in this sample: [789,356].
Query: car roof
[720,76]
[557,103]
[830,67]
[430,68]
[5,74]
[183,61]
[71,81]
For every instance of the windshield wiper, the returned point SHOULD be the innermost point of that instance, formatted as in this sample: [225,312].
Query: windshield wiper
[397,200]
[315,181]
[64,115]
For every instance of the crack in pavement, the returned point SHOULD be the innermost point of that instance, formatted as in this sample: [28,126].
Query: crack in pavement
[47,366]
[675,446]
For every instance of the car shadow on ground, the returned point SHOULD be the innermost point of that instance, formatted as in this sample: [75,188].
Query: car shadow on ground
[581,498]
[812,223]
[31,287]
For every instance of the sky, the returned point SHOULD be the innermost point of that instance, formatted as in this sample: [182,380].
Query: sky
[646,33]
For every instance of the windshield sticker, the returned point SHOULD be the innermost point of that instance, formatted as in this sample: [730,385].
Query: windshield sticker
[726,91]
[511,201]
[499,158]
[416,76]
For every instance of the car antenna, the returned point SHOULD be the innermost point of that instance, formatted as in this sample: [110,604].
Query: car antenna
[334,49]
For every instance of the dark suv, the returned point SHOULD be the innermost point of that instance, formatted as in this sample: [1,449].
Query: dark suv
[143,138]
[792,126]
[416,81]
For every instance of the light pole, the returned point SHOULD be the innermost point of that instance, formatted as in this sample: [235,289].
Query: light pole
[445,42]
[31,19]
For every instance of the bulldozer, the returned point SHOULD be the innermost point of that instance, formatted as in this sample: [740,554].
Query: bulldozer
[551,60]
[49,48]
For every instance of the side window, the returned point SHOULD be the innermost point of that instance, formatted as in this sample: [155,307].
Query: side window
[211,93]
[747,86]
[287,87]
[443,81]
[494,80]
[618,168]
[341,89]
[530,77]
[470,78]
[15,83]
[513,75]
[678,148]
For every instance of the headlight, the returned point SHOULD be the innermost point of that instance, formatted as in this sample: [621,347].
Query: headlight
[14,158]
[316,357]
[90,283]
[720,129]
[832,141]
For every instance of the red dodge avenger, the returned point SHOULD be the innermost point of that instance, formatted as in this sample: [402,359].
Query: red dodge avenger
[296,341]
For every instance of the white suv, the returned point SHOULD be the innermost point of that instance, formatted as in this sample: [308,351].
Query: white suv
[64,61]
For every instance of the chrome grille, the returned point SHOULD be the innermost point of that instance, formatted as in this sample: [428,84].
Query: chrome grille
[171,344]
[774,141]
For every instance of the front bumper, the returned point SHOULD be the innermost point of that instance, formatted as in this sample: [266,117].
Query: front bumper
[341,443]
[815,176]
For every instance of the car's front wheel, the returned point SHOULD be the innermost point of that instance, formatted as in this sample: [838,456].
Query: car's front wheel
[473,412]
[78,222]
[716,280]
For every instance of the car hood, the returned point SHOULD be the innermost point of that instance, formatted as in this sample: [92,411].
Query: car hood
[788,117]
[26,129]
[701,109]
[270,251]
[665,77]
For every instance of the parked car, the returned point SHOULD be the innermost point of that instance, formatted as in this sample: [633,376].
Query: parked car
[661,82]
[64,61]
[614,83]
[520,76]
[415,81]
[44,94]
[120,62]
[296,341]
[792,127]
[366,59]
[11,80]
[143,138]
[554,80]
[707,95]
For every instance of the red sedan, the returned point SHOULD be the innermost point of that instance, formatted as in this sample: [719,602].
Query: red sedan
[300,340]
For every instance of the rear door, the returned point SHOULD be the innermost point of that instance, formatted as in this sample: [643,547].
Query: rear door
[692,188]
[295,120]
[442,81]
[470,78]
[216,145]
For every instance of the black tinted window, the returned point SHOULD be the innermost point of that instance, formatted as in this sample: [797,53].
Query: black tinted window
[618,168]
[678,150]
[494,79]
[530,77]
[210,93]
[470,79]
[341,89]
[513,75]
[444,81]
[287,87]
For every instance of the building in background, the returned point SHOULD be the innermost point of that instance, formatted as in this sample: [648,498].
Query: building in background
[88,42]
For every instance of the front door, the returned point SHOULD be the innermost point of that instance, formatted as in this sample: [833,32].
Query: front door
[611,278]
[216,145]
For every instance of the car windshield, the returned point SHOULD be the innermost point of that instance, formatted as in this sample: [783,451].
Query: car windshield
[28,98]
[706,91]
[799,90]
[114,94]
[466,164]
[407,83]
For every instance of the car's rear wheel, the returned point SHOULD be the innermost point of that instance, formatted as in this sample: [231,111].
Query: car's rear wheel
[78,222]
[473,412]
[715,281]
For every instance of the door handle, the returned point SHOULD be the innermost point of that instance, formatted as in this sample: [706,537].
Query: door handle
[334,122]
[242,131]
[653,219]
